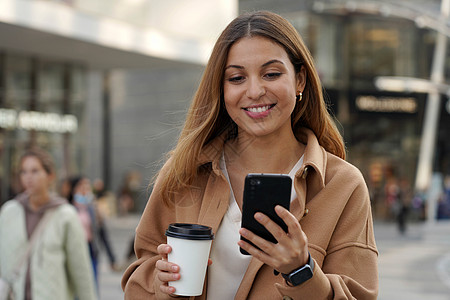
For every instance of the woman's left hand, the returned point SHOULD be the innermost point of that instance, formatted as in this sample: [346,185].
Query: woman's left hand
[291,251]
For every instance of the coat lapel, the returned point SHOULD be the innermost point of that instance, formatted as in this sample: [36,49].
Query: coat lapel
[215,202]
[249,277]
[217,191]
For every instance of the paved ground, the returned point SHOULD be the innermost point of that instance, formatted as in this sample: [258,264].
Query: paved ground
[413,266]
[121,232]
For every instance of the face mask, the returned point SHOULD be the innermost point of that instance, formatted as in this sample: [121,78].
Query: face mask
[80,199]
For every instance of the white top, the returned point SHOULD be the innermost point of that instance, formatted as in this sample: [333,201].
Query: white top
[229,265]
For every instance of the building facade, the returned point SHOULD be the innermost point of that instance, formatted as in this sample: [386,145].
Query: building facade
[353,43]
[41,104]
[101,85]
[107,89]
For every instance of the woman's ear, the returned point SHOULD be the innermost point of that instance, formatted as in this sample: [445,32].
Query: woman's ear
[301,79]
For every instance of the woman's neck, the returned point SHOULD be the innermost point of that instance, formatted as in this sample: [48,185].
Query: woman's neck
[39,200]
[270,154]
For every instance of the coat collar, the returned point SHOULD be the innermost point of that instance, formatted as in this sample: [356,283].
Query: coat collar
[311,172]
[314,157]
[212,152]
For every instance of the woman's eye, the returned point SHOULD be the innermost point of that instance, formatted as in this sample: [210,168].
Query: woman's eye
[273,75]
[236,79]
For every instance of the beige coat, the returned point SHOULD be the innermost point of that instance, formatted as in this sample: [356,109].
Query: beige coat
[60,267]
[338,226]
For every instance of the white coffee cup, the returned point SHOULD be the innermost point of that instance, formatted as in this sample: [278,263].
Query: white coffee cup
[190,244]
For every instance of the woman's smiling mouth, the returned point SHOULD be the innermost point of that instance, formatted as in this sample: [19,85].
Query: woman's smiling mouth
[259,111]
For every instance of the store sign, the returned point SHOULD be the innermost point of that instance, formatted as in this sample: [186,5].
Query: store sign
[39,121]
[387,104]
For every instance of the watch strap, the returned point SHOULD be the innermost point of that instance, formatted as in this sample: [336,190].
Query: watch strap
[300,275]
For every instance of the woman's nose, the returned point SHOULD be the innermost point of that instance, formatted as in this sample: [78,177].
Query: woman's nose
[255,89]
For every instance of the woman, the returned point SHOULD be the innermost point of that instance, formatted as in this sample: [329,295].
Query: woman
[82,197]
[259,109]
[58,267]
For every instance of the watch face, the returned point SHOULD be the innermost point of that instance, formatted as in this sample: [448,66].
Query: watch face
[301,275]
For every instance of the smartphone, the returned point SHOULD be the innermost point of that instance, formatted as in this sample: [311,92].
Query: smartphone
[262,192]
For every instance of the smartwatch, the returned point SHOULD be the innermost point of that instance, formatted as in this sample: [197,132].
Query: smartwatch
[300,275]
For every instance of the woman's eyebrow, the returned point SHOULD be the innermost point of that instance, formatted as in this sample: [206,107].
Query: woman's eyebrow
[234,66]
[273,61]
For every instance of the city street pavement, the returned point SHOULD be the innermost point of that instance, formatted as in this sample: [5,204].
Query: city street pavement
[412,266]
[416,265]
[121,233]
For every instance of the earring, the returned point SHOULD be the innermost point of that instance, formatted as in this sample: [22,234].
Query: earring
[299,97]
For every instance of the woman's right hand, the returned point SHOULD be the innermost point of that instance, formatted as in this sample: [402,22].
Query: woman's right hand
[167,271]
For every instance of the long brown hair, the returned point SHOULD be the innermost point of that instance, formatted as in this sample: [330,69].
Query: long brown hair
[207,117]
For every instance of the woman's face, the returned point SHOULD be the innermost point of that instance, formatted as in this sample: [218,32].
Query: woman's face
[83,187]
[33,176]
[260,86]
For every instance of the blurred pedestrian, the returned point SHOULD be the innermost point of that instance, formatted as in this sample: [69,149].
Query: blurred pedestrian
[82,197]
[398,195]
[58,266]
[106,201]
[105,207]
[64,188]
[444,200]
[405,199]
[129,192]
[259,108]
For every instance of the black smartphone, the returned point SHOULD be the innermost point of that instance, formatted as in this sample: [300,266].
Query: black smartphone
[262,192]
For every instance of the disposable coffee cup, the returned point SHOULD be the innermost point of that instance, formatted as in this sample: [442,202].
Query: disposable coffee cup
[190,244]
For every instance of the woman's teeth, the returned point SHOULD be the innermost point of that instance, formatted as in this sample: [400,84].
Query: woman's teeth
[258,109]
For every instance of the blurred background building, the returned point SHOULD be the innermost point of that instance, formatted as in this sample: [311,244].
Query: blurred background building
[104,85]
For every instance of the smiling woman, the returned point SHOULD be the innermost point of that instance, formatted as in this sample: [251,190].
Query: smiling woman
[259,109]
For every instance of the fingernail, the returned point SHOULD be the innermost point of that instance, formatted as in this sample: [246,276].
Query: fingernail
[258,216]
[174,268]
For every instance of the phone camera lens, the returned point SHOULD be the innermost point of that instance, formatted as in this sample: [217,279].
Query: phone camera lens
[255,182]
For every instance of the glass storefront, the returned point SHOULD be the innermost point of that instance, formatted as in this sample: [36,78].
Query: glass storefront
[384,141]
[41,105]
[382,130]
[381,48]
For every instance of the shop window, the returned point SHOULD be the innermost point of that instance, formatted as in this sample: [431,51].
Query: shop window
[39,94]
[18,82]
[325,36]
[378,47]
[51,87]
[74,150]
